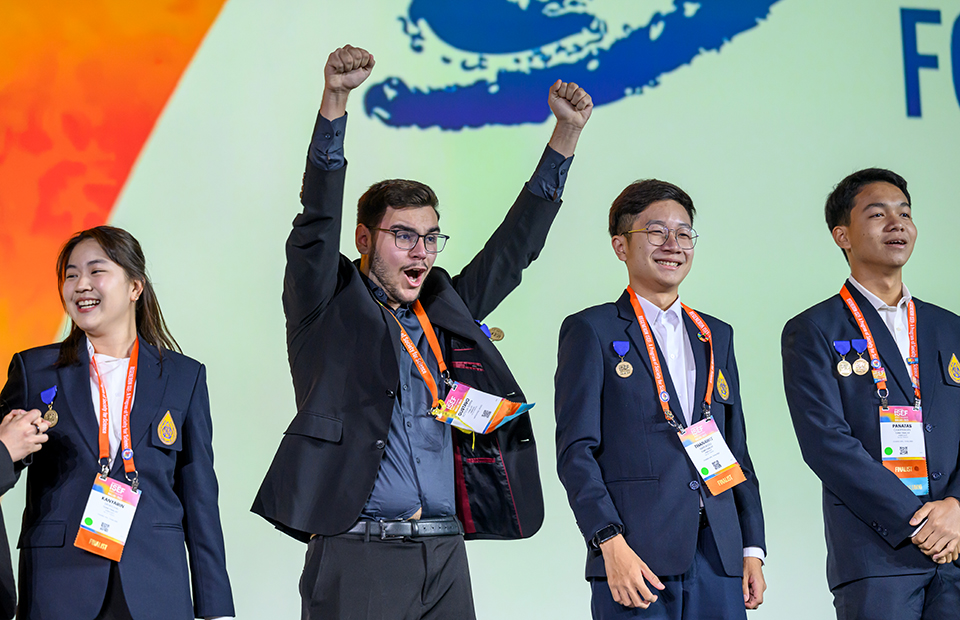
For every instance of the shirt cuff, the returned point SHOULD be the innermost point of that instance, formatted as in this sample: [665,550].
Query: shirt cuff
[326,147]
[551,173]
[755,552]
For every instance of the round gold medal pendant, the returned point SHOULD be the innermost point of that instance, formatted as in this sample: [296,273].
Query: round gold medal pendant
[51,417]
[844,368]
[861,366]
[496,334]
[624,369]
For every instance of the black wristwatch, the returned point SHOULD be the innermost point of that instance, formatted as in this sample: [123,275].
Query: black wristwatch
[606,534]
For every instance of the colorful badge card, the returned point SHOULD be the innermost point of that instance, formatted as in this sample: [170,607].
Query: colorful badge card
[711,456]
[904,453]
[107,518]
[472,410]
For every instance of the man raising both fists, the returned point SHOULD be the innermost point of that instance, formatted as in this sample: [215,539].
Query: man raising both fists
[382,491]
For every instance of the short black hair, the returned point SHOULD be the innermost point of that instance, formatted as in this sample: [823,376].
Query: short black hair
[639,195]
[840,201]
[397,193]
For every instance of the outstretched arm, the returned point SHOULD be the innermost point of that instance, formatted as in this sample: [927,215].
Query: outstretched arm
[496,270]
[313,247]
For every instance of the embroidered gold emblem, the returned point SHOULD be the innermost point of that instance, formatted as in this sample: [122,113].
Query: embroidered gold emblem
[722,388]
[167,431]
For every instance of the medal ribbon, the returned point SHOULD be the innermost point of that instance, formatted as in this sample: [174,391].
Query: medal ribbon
[418,360]
[880,377]
[104,440]
[655,359]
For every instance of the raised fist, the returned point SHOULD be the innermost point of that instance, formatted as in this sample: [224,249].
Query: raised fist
[570,103]
[347,67]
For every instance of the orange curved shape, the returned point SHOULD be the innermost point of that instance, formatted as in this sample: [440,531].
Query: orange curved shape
[81,87]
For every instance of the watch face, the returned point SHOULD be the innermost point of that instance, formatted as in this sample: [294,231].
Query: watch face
[605,534]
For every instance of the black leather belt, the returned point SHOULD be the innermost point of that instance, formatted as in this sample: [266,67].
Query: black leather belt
[387,530]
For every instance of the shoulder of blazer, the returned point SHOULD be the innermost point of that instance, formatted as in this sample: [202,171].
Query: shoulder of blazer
[940,313]
[171,361]
[596,314]
[40,357]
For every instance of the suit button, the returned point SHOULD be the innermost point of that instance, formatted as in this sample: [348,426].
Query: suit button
[390,394]
[381,444]
[936,475]
[883,532]
[928,427]
[694,485]
[874,525]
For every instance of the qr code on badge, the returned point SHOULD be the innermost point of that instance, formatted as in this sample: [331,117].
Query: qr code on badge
[715,464]
[904,450]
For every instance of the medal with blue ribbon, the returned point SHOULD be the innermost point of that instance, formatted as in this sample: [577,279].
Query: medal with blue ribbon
[624,368]
[861,366]
[50,415]
[843,366]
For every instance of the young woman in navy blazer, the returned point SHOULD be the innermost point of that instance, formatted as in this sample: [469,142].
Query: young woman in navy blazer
[108,296]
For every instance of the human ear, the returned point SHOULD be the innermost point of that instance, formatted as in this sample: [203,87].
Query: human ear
[619,243]
[363,237]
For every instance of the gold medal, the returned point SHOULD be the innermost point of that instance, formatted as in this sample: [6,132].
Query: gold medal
[496,334]
[844,368]
[51,417]
[861,366]
[624,369]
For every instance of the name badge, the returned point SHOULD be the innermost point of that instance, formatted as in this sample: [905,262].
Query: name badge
[470,409]
[107,518]
[902,443]
[710,455]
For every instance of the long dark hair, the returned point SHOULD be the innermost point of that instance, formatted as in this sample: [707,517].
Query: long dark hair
[124,250]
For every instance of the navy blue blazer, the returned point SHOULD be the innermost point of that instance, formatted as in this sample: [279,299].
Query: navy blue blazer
[177,509]
[866,509]
[623,464]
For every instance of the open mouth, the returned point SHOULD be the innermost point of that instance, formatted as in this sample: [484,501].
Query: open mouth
[672,264]
[415,276]
[85,305]
[897,242]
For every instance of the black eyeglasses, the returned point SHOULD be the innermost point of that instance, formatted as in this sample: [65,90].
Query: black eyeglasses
[433,242]
[657,235]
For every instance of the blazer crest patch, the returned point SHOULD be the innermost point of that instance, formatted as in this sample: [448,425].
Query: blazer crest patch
[954,368]
[722,388]
[167,430]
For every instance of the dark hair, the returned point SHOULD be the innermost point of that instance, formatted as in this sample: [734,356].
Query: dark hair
[397,193]
[639,195]
[840,201]
[124,250]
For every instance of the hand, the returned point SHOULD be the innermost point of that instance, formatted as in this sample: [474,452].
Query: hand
[939,537]
[753,582]
[347,68]
[570,103]
[626,573]
[23,432]
[572,107]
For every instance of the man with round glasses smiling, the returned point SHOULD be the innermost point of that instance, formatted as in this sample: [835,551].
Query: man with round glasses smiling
[382,491]
[651,441]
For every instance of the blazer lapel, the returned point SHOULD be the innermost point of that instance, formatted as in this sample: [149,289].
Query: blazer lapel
[886,346]
[700,357]
[149,394]
[75,383]
[929,354]
[635,334]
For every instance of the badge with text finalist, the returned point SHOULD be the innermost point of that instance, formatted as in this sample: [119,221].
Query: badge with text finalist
[107,518]
[904,453]
[711,456]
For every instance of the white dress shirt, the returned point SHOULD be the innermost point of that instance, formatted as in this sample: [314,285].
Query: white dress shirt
[113,372]
[895,318]
[670,332]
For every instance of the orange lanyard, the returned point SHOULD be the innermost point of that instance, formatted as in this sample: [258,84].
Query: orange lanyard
[658,369]
[418,360]
[125,442]
[879,374]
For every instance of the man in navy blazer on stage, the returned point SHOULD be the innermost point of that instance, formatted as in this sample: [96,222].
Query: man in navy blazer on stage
[632,374]
[890,476]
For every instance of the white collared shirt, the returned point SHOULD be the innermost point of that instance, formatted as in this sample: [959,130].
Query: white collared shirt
[113,371]
[894,317]
[671,335]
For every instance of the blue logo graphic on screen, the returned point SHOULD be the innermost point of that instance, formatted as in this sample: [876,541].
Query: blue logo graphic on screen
[489,62]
